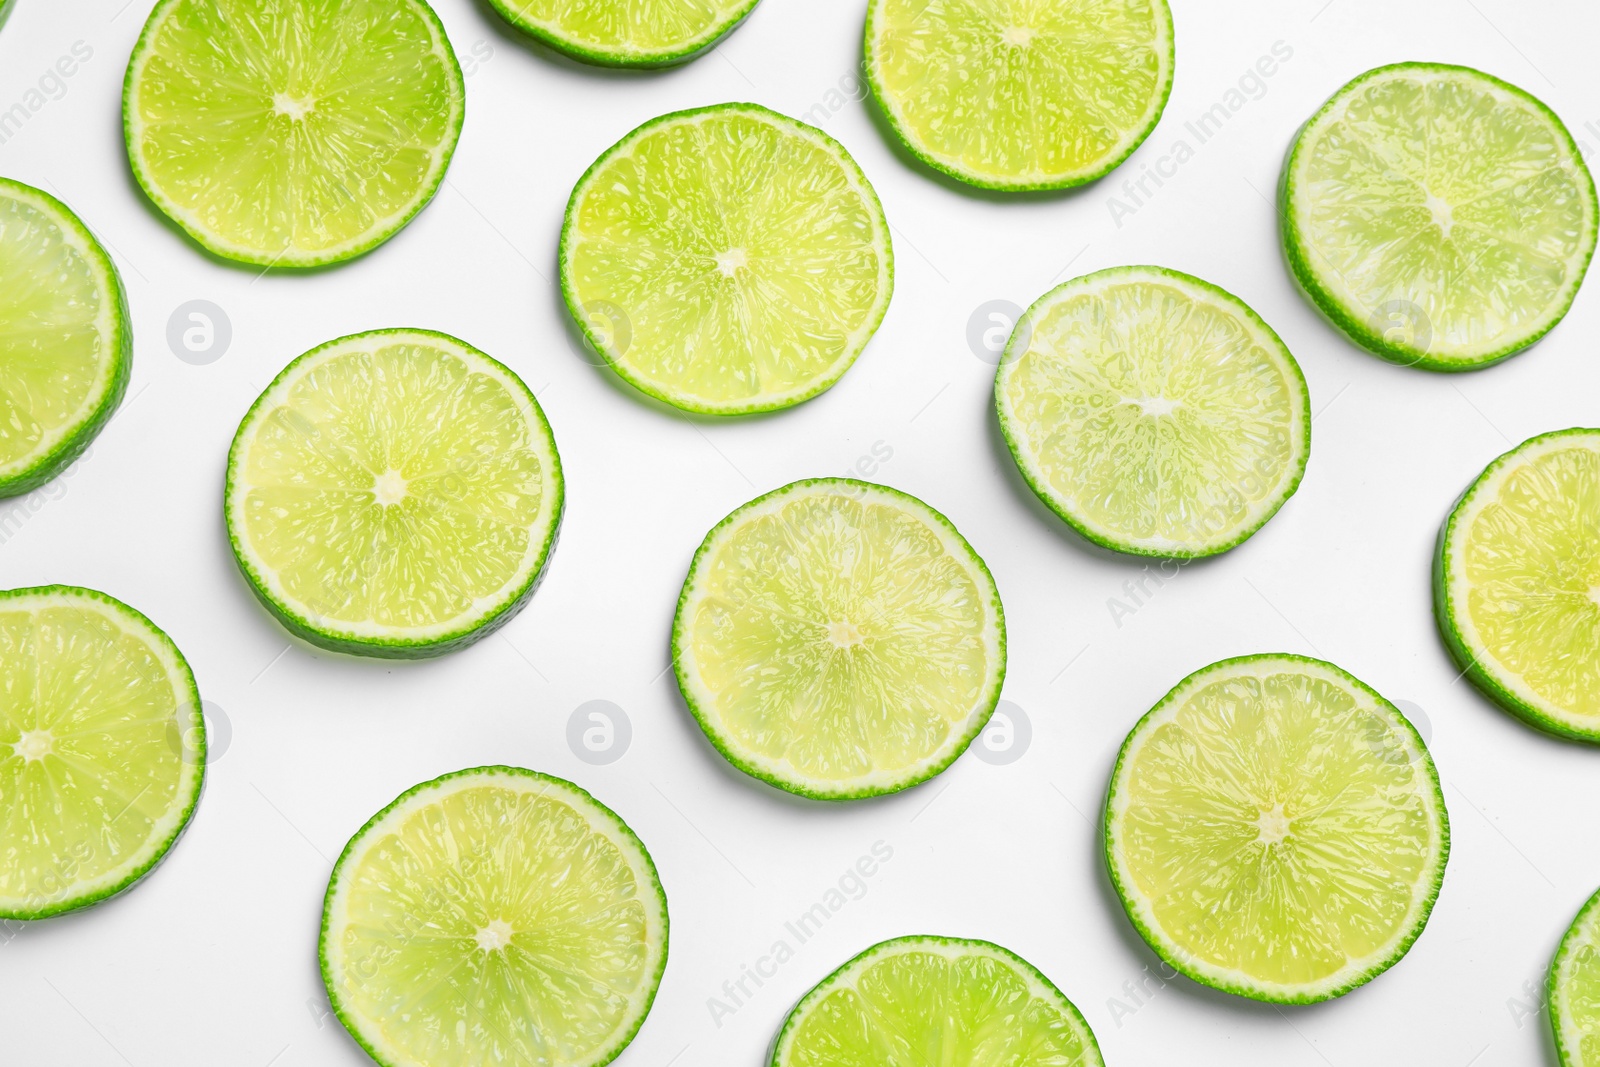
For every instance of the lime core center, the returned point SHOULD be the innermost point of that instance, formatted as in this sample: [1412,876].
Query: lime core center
[845,634]
[731,262]
[494,937]
[1273,826]
[1018,36]
[1439,208]
[1153,405]
[284,104]
[34,745]
[390,488]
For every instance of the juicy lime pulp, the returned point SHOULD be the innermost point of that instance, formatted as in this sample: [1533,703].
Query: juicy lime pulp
[394,493]
[292,133]
[1036,94]
[1438,215]
[65,344]
[1575,990]
[839,639]
[1276,829]
[727,259]
[936,1000]
[1517,582]
[1154,412]
[102,748]
[625,33]
[494,915]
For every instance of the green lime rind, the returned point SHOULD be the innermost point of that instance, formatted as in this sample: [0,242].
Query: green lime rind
[847,973]
[1081,524]
[908,141]
[688,684]
[1484,672]
[114,381]
[285,260]
[667,55]
[575,794]
[193,754]
[389,647]
[1360,330]
[1579,946]
[765,402]
[1338,984]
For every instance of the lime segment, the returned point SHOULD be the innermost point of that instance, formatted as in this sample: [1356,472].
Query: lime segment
[1276,829]
[1575,990]
[494,915]
[626,33]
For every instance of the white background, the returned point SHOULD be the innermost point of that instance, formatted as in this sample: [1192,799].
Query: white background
[212,959]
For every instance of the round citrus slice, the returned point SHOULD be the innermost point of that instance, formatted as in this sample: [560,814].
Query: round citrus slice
[1154,412]
[1275,829]
[727,260]
[1517,582]
[394,493]
[1022,96]
[1575,990]
[625,33]
[936,1000]
[102,748]
[494,915]
[65,343]
[1439,216]
[839,639]
[296,133]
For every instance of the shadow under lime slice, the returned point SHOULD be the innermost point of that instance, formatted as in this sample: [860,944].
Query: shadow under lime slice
[936,1000]
[1575,990]
[1517,582]
[625,33]
[1276,829]
[839,639]
[394,493]
[65,343]
[292,134]
[494,916]
[1439,216]
[102,748]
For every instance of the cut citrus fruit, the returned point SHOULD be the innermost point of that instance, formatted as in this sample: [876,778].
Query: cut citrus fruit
[1517,582]
[294,133]
[737,260]
[1021,96]
[65,344]
[494,915]
[1439,216]
[1275,829]
[839,639]
[1575,990]
[625,33]
[1154,412]
[936,1000]
[394,493]
[102,748]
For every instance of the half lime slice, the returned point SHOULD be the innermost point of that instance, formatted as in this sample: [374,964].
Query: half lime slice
[394,493]
[1021,96]
[65,343]
[494,916]
[292,134]
[1439,216]
[624,33]
[1154,412]
[1575,990]
[1276,829]
[102,748]
[936,1000]
[1517,582]
[727,260]
[839,639]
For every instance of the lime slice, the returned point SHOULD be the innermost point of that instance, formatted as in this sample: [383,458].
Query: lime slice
[1575,990]
[1517,582]
[737,260]
[65,344]
[625,33]
[839,639]
[1275,829]
[394,493]
[492,916]
[936,1000]
[102,748]
[1021,96]
[292,134]
[1437,215]
[1154,412]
